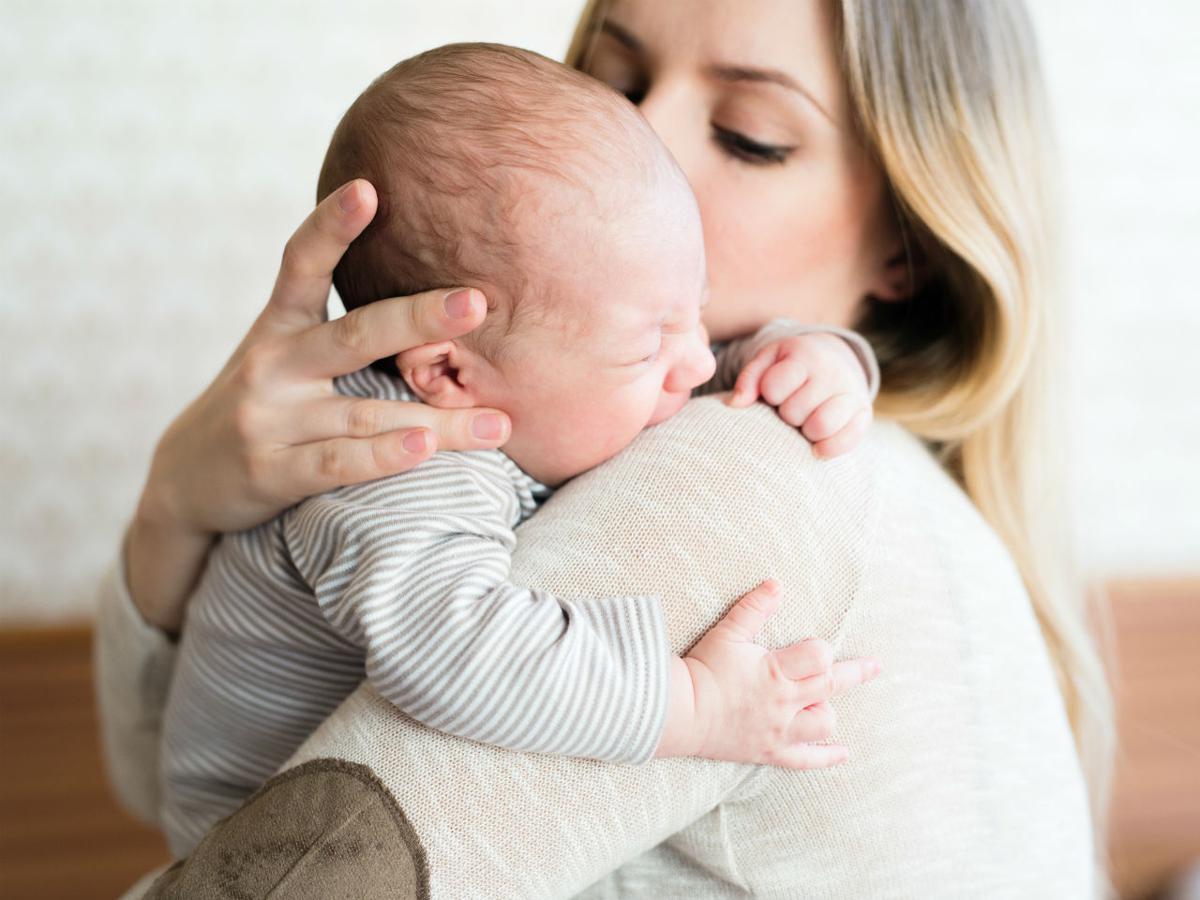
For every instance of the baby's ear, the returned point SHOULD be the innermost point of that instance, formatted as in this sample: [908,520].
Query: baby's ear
[433,373]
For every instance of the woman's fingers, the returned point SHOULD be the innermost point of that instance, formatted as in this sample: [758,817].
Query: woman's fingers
[302,287]
[408,434]
[385,328]
[325,465]
[363,417]
[356,419]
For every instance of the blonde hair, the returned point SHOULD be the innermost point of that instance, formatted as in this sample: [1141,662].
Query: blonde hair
[949,98]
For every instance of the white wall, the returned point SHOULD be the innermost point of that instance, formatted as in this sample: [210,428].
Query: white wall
[1125,81]
[154,157]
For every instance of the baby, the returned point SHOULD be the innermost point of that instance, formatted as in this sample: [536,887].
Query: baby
[497,168]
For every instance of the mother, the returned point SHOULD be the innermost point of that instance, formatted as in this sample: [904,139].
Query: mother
[866,163]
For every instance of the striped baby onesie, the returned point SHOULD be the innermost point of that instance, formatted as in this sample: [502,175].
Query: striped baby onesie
[402,581]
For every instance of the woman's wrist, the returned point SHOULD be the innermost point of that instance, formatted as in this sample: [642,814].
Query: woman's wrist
[163,559]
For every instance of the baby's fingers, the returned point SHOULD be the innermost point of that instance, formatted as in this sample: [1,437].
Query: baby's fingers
[805,659]
[809,756]
[796,409]
[747,387]
[783,379]
[835,681]
[747,617]
[846,439]
[832,416]
[813,723]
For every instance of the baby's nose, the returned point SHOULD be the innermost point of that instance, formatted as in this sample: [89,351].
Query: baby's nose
[694,368]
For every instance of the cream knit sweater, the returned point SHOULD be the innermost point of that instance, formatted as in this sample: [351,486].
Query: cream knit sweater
[962,780]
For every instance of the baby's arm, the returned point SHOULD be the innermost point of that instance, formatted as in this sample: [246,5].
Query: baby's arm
[453,644]
[820,379]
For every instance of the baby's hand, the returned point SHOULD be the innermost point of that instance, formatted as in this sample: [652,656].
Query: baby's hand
[754,705]
[817,384]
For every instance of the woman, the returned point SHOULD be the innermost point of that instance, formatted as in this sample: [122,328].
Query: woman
[866,164]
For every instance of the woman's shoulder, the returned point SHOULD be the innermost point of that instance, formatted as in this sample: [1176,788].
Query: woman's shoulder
[739,486]
[744,454]
[748,474]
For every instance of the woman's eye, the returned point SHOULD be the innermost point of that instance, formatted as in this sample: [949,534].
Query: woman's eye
[619,75]
[635,92]
[751,151]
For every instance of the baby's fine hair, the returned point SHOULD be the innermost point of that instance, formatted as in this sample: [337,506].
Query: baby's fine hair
[468,146]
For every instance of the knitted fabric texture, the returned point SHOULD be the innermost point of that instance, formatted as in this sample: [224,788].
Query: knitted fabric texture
[962,779]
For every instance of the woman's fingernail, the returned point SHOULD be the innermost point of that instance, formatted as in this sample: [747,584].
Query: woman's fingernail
[416,441]
[458,303]
[348,199]
[488,427]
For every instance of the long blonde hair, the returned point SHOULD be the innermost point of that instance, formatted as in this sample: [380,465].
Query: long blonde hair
[949,98]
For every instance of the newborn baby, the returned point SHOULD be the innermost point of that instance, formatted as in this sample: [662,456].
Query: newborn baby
[546,190]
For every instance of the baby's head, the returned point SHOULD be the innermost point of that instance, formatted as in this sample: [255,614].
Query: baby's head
[502,170]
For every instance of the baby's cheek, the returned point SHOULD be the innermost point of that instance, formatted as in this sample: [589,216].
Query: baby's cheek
[668,405]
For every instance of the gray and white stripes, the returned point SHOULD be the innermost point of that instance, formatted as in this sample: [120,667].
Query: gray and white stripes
[404,581]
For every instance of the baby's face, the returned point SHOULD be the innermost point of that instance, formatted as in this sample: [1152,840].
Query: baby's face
[622,352]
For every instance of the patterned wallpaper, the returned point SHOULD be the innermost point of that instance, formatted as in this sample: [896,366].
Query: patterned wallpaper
[154,157]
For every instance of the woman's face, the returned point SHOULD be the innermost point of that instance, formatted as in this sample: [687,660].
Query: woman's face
[748,96]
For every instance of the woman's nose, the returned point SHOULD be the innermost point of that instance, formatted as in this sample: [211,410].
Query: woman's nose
[669,112]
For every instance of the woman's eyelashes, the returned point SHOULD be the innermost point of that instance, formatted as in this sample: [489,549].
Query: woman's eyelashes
[634,95]
[749,150]
[732,143]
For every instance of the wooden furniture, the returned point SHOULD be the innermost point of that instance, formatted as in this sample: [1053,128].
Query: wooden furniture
[62,834]
[1155,828]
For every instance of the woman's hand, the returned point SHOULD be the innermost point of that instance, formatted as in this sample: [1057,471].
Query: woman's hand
[270,430]
[733,699]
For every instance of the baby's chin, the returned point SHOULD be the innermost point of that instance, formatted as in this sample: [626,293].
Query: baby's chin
[668,405]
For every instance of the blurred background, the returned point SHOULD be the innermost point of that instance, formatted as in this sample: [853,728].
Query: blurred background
[155,156]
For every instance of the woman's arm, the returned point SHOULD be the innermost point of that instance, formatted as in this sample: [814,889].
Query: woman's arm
[268,431]
[133,664]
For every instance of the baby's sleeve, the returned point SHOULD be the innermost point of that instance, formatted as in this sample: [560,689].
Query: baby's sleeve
[414,570]
[733,356]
